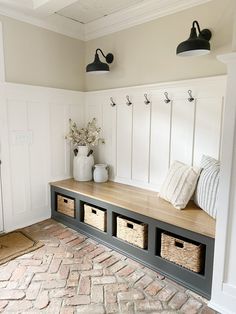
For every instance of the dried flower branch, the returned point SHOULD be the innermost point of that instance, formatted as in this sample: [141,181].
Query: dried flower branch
[88,136]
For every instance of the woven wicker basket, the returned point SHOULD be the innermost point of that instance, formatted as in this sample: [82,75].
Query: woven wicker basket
[66,206]
[183,253]
[132,232]
[95,217]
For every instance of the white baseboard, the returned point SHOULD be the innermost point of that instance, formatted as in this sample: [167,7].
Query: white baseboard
[29,222]
[218,308]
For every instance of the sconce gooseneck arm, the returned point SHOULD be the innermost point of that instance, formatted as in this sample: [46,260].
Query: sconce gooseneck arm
[197,24]
[98,49]
[204,33]
[109,57]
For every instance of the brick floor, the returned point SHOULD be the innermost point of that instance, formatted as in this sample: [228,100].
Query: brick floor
[74,274]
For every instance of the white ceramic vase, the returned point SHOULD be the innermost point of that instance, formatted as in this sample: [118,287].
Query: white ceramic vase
[100,173]
[83,165]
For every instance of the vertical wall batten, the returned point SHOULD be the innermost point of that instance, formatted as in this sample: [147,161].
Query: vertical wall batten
[149,146]
[171,117]
[132,141]
[194,130]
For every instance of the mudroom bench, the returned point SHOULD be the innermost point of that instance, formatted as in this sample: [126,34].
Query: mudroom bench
[139,224]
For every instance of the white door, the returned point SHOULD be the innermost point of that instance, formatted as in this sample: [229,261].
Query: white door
[1,207]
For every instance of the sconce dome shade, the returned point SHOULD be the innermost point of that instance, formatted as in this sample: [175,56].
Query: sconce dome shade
[195,45]
[100,67]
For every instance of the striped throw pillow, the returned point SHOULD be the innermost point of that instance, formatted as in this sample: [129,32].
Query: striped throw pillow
[179,185]
[206,192]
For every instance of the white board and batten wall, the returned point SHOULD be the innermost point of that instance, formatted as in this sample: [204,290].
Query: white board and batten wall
[33,124]
[142,139]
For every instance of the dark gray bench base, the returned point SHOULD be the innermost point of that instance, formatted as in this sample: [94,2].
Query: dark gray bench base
[200,283]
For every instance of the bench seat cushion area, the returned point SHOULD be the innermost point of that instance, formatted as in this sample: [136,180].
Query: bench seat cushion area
[141,208]
[144,202]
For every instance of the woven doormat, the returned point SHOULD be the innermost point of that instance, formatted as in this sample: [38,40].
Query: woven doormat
[16,243]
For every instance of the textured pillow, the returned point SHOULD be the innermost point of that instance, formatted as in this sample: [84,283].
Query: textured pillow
[179,184]
[207,187]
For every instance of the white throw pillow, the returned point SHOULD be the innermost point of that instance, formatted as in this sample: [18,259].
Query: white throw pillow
[179,185]
[207,187]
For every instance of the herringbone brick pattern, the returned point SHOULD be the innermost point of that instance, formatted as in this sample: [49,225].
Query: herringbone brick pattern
[74,274]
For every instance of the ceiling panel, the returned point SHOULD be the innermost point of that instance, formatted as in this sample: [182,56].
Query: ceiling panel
[86,11]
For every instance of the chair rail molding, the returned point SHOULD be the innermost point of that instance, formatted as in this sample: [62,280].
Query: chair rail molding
[224,276]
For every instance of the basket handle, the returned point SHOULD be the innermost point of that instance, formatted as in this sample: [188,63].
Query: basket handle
[65,200]
[179,244]
[94,211]
[130,225]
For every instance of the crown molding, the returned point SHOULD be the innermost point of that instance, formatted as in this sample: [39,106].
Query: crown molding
[55,23]
[132,16]
[141,13]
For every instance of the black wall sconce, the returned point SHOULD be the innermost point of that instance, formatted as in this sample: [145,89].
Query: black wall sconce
[195,45]
[100,67]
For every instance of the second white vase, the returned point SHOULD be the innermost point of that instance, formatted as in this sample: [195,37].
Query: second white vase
[83,165]
[100,173]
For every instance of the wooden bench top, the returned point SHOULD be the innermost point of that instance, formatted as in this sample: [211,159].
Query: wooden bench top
[144,202]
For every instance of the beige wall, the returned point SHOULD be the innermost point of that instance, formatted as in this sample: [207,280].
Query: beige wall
[143,54]
[146,53]
[36,56]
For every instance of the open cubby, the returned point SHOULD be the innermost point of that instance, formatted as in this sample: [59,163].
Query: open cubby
[151,255]
[65,205]
[179,244]
[132,231]
[93,216]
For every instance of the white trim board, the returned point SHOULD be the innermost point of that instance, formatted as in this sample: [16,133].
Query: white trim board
[135,15]
[224,280]
[201,81]
[219,309]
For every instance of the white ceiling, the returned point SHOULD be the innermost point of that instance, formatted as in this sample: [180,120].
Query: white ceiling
[86,11]
[89,19]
